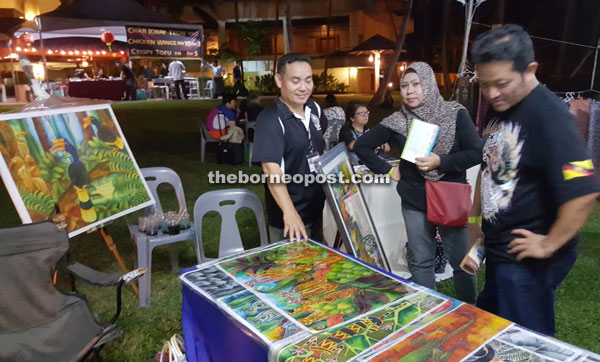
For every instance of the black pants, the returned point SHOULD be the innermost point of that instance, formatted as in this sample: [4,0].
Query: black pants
[130,92]
[219,85]
[239,89]
[180,83]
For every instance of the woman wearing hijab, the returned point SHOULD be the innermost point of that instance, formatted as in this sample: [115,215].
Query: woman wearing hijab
[456,149]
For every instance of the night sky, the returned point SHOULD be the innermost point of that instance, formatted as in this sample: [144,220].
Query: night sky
[542,18]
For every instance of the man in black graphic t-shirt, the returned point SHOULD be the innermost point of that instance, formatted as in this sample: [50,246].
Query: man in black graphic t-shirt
[537,182]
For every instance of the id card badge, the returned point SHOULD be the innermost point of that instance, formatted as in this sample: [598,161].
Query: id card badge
[312,159]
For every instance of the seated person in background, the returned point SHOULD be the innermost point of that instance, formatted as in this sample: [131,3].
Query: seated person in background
[335,118]
[254,107]
[357,115]
[149,72]
[100,74]
[81,74]
[252,111]
[223,116]
[242,110]
[164,70]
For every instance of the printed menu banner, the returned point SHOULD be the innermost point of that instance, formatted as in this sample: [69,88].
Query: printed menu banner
[164,42]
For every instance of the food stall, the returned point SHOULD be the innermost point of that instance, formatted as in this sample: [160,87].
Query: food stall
[90,35]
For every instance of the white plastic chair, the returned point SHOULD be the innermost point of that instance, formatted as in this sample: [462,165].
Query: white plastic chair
[204,139]
[209,87]
[193,88]
[162,84]
[227,203]
[250,126]
[156,176]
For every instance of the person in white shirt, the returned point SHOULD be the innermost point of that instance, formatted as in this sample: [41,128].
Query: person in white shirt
[218,83]
[177,71]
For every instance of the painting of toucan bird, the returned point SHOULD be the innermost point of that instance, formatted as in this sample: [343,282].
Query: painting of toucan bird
[105,134]
[79,179]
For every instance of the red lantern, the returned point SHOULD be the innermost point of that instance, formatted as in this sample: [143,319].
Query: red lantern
[107,37]
[26,39]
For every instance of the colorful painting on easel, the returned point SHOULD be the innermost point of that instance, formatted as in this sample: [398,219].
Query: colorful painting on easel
[314,285]
[449,338]
[74,160]
[350,208]
[345,342]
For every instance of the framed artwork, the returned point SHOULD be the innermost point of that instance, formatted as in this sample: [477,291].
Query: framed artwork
[74,160]
[350,209]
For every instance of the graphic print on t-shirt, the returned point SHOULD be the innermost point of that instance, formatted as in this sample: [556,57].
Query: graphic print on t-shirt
[501,154]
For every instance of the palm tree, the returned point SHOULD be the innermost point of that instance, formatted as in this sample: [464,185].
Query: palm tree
[276,32]
[378,97]
[446,29]
[288,19]
[327,50]
[239,38]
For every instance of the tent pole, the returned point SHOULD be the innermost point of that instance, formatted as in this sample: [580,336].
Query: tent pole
[43,50]
[595,63]
[12,66]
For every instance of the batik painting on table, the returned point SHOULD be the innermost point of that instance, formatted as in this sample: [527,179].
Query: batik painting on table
[295,289]
[350,208]
[74,160]
[349,340]
[315,285]
[308,302]
[449,338]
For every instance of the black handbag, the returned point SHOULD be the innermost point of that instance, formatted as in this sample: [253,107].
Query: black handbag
[224,152]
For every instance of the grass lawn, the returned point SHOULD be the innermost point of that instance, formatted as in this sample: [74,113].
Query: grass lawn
[165,133]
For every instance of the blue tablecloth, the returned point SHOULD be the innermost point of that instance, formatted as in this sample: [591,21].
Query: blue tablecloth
[289,302]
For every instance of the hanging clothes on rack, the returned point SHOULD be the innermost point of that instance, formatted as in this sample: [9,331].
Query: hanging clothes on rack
[482,111]
[580,108]
[594,132]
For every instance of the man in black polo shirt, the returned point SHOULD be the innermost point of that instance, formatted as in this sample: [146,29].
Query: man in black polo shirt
[288,134]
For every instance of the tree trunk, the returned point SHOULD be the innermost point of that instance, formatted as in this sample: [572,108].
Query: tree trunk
[288,19]
[327,50]
[391,14]
[378,97]
[239,39]
[445,30]
[562,52]
[276,34]
[42,135]
[501,10]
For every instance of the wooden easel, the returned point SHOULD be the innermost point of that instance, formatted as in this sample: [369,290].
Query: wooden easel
[113,248]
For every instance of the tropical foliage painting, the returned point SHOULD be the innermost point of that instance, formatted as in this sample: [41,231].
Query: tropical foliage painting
[71,160]
[314,285]
[350,208]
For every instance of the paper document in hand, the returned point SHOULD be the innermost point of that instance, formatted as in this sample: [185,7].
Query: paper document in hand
[420,140]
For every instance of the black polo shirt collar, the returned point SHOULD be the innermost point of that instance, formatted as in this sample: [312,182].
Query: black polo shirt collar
[285,114]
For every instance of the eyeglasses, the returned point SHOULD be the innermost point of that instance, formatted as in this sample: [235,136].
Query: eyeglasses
[364,113]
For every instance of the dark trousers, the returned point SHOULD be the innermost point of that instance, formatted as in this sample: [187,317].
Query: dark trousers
[180,83]
[238,88]
[130,92]
[421,253]
[219,85]
[525,292]
[314,231]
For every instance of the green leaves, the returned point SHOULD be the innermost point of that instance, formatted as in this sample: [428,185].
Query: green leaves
[37,201]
